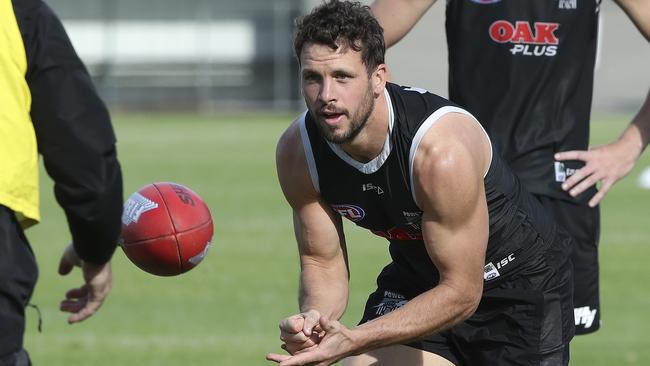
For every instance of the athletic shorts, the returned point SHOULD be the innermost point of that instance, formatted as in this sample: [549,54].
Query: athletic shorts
[18,273]
[583,224]
[20,358]
[523,319]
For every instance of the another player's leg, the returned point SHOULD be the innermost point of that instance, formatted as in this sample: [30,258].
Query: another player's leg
[18,274]
[583,224]
[397,355]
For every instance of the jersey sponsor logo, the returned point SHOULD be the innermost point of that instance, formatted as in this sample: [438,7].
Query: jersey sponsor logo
[135,206]
[502,31]
[413,220]
[585,316]
[371,187]
[351,212]
[538,39]
[562,173]
[397,233]
[568,4]
[390,302]
[486,1]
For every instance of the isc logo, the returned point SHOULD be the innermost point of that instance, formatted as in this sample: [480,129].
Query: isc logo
[504,262]
[536,40]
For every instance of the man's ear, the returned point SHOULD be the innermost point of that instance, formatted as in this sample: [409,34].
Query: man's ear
[379,78]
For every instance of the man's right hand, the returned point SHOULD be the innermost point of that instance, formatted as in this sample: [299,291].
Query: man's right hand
[300,332]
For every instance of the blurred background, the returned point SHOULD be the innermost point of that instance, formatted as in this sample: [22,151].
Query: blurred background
[200,91]
[207,55]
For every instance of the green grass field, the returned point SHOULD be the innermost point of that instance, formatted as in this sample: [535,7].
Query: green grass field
[226,311]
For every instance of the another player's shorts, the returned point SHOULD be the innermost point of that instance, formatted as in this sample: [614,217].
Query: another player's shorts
[524,319]
[583,224]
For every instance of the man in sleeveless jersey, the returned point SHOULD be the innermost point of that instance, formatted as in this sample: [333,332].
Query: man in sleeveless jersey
[48,105]
[525,68]
[480,273]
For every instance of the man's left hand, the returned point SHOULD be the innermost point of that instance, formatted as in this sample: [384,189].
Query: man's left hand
[606,164]
[336,344]
[84,301]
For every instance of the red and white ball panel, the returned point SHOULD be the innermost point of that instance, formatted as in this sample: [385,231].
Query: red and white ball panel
[166,229]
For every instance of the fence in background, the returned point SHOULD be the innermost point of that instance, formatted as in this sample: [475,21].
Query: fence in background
[191,54]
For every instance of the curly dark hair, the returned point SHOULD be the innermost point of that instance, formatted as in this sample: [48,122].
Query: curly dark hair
[343,24]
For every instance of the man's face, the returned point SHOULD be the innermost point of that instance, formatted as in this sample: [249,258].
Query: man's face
[337,90]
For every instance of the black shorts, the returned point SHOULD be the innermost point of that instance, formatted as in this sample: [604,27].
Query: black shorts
[524,319]
[20,358]
[583,224]
[18,273]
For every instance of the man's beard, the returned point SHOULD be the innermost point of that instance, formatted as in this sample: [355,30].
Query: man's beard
[357,121]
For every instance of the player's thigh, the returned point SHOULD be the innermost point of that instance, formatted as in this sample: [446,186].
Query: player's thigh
[397,355]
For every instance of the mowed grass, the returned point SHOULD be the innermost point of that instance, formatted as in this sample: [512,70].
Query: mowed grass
[226,311]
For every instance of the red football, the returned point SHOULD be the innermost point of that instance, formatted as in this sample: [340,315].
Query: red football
[166,229]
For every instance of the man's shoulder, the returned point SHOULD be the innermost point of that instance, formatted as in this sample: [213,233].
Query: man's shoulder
[451,143]
[290,141]
[415,92]
[414,103]
[289,149]
[296,178]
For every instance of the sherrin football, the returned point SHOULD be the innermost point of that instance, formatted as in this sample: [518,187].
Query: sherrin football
[166,229]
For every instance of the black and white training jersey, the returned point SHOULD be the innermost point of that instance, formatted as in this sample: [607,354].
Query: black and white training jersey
[525,69]
[378,195]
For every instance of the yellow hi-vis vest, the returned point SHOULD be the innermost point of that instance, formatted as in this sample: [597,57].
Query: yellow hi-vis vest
[18,151]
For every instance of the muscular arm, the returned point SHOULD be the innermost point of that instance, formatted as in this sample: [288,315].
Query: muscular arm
[638,132]
[642,122]
[398,17]
[319,233]
[639,13]
[448,180]
[323,267]
[74,134]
